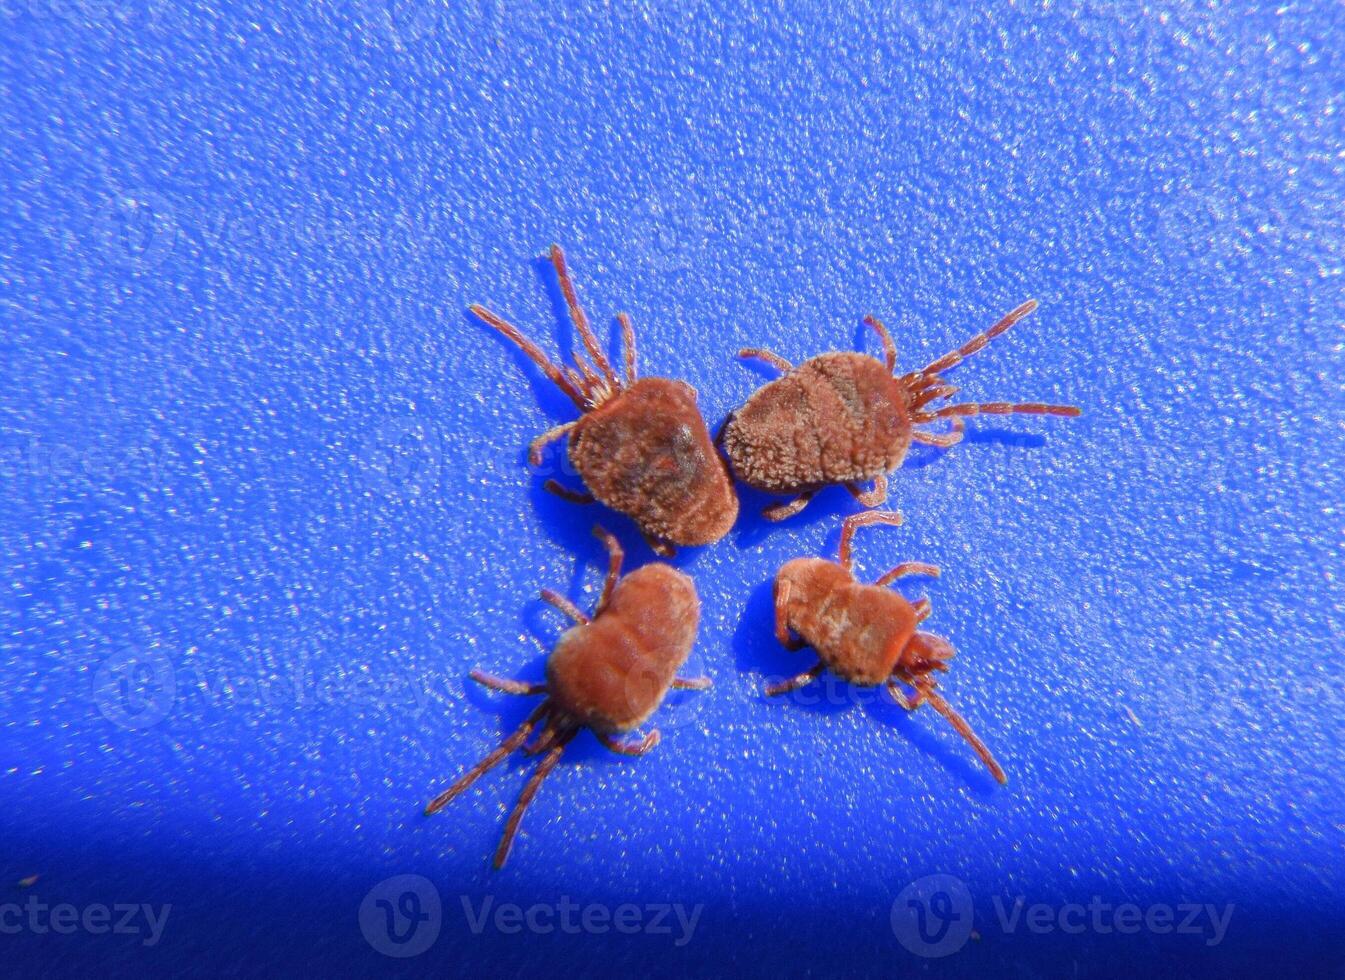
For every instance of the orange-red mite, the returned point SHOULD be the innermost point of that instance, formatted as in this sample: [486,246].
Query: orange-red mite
[845,418]
[865,634]
[607,674]
[640,446]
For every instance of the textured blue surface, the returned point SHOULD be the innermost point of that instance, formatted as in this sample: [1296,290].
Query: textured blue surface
[238,241]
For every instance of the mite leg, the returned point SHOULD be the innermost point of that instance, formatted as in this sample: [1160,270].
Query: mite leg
[908,568]
[928,392]
[769,357]
[511,743]
[782,619]
[525,798]
[782,511]
[794,683]
[944,440]
[545,740]
[963,729]
[922,609]
[628,342]
[506,686]
[629,748]
[848,526]
[564,493]
[565,606]
[562,377]
[614,558]
[999,408]
[953,358]
[692,684]
[541,442]
[870,498]
[900,696]
[664,549]
[889,348]
[581,321]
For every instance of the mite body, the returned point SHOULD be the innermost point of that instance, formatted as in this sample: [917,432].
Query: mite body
[865,634]
[640,446]
[846,418]
[608,673]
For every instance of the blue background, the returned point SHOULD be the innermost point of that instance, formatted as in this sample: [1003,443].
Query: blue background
[257,454]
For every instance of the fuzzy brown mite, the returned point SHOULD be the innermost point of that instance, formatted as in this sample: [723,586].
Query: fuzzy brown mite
[640,446]
[865,634]
[846,418]
[608,673]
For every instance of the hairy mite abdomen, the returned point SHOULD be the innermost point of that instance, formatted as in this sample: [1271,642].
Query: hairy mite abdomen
[612,673]
[648,454]
[837,418]
[859,631]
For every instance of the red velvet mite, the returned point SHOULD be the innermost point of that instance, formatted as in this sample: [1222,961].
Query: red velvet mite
[640,446]
[608,674]
[845,418]
[865,634]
